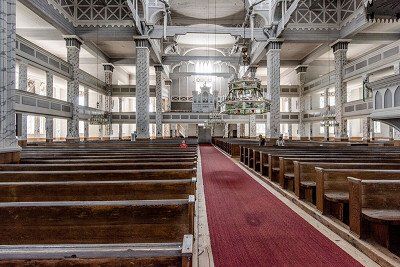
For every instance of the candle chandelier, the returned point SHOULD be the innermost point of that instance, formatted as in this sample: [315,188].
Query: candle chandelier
[245,96]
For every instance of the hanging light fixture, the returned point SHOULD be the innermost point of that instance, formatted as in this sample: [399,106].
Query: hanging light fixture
[245,96]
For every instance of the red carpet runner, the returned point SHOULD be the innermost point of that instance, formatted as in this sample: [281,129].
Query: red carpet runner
[251,227]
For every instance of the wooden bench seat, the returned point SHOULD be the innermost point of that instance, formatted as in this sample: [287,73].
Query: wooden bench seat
[97,190]
[96,222]
[391,217]
[341,197]
[105,160]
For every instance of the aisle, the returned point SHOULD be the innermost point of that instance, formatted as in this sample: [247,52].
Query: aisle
[249,226]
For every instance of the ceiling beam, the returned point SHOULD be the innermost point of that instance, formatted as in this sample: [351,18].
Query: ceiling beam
[172,31]
[106,33]
[47,12]
[173,59]
[176,75]
[316,53]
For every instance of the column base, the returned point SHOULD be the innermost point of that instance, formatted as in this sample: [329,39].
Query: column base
[48,140]
[85,139]
[22,142]
[12,156]
[72,140]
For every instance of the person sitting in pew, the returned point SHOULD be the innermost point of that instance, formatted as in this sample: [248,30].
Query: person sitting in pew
[183,144]
[261,140]
[280,141]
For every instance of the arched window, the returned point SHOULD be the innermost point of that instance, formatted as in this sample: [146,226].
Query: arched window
[397,97]
[378,100]
[387,101]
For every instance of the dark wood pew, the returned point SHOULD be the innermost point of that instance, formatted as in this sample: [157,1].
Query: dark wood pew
[333,188]
[97,190]
[84,255]
[105,160]
[96,175]
[305,174]
[97,166]
[96,222]
[374,207]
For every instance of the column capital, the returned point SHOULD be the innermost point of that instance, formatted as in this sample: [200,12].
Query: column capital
[108,67]
[301,69]
[158,68]
[168,82]
[340,44]
[142,42]
[73,41]
[274,44]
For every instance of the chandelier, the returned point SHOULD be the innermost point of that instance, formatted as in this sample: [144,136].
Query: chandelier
[245,97]
[100,119]
[328,118]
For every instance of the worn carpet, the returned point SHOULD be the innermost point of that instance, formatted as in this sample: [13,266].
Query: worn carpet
[249,226]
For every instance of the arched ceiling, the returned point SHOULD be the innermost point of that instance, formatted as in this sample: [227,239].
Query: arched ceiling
[207,9]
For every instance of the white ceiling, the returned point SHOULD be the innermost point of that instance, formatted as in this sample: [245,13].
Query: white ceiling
[207,9]
[205,40]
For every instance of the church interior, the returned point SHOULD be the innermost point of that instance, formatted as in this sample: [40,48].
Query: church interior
[199,133]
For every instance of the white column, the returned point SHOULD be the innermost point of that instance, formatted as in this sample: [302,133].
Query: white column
[340,50]
[396,67]
[120,125]
[159,132]
[326,106]
[273,84]
[86,130]
[366,128]
[168,84]
[73,44]
[142,88]
[23,86]
[108,72]
[290,128]
[49,119]
[252,126]
[8,138]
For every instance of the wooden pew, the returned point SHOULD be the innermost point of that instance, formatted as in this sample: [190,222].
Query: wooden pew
[333,188]
[97,190]
[83,255]
[305,173]
[374,207]
[96,222]
[96,175]
[97,166]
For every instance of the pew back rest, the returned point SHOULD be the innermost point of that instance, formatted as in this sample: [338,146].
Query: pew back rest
[380,194]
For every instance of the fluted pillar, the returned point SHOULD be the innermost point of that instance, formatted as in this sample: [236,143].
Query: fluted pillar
[108,72]
[159,133]
[8,140]
[273,84]
[252,119]
[168,84]
[340,55]
[49,119]
[73,44]
[142,88]
[226,130]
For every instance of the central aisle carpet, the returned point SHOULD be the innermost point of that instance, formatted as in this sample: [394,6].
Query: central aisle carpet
[249,226]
